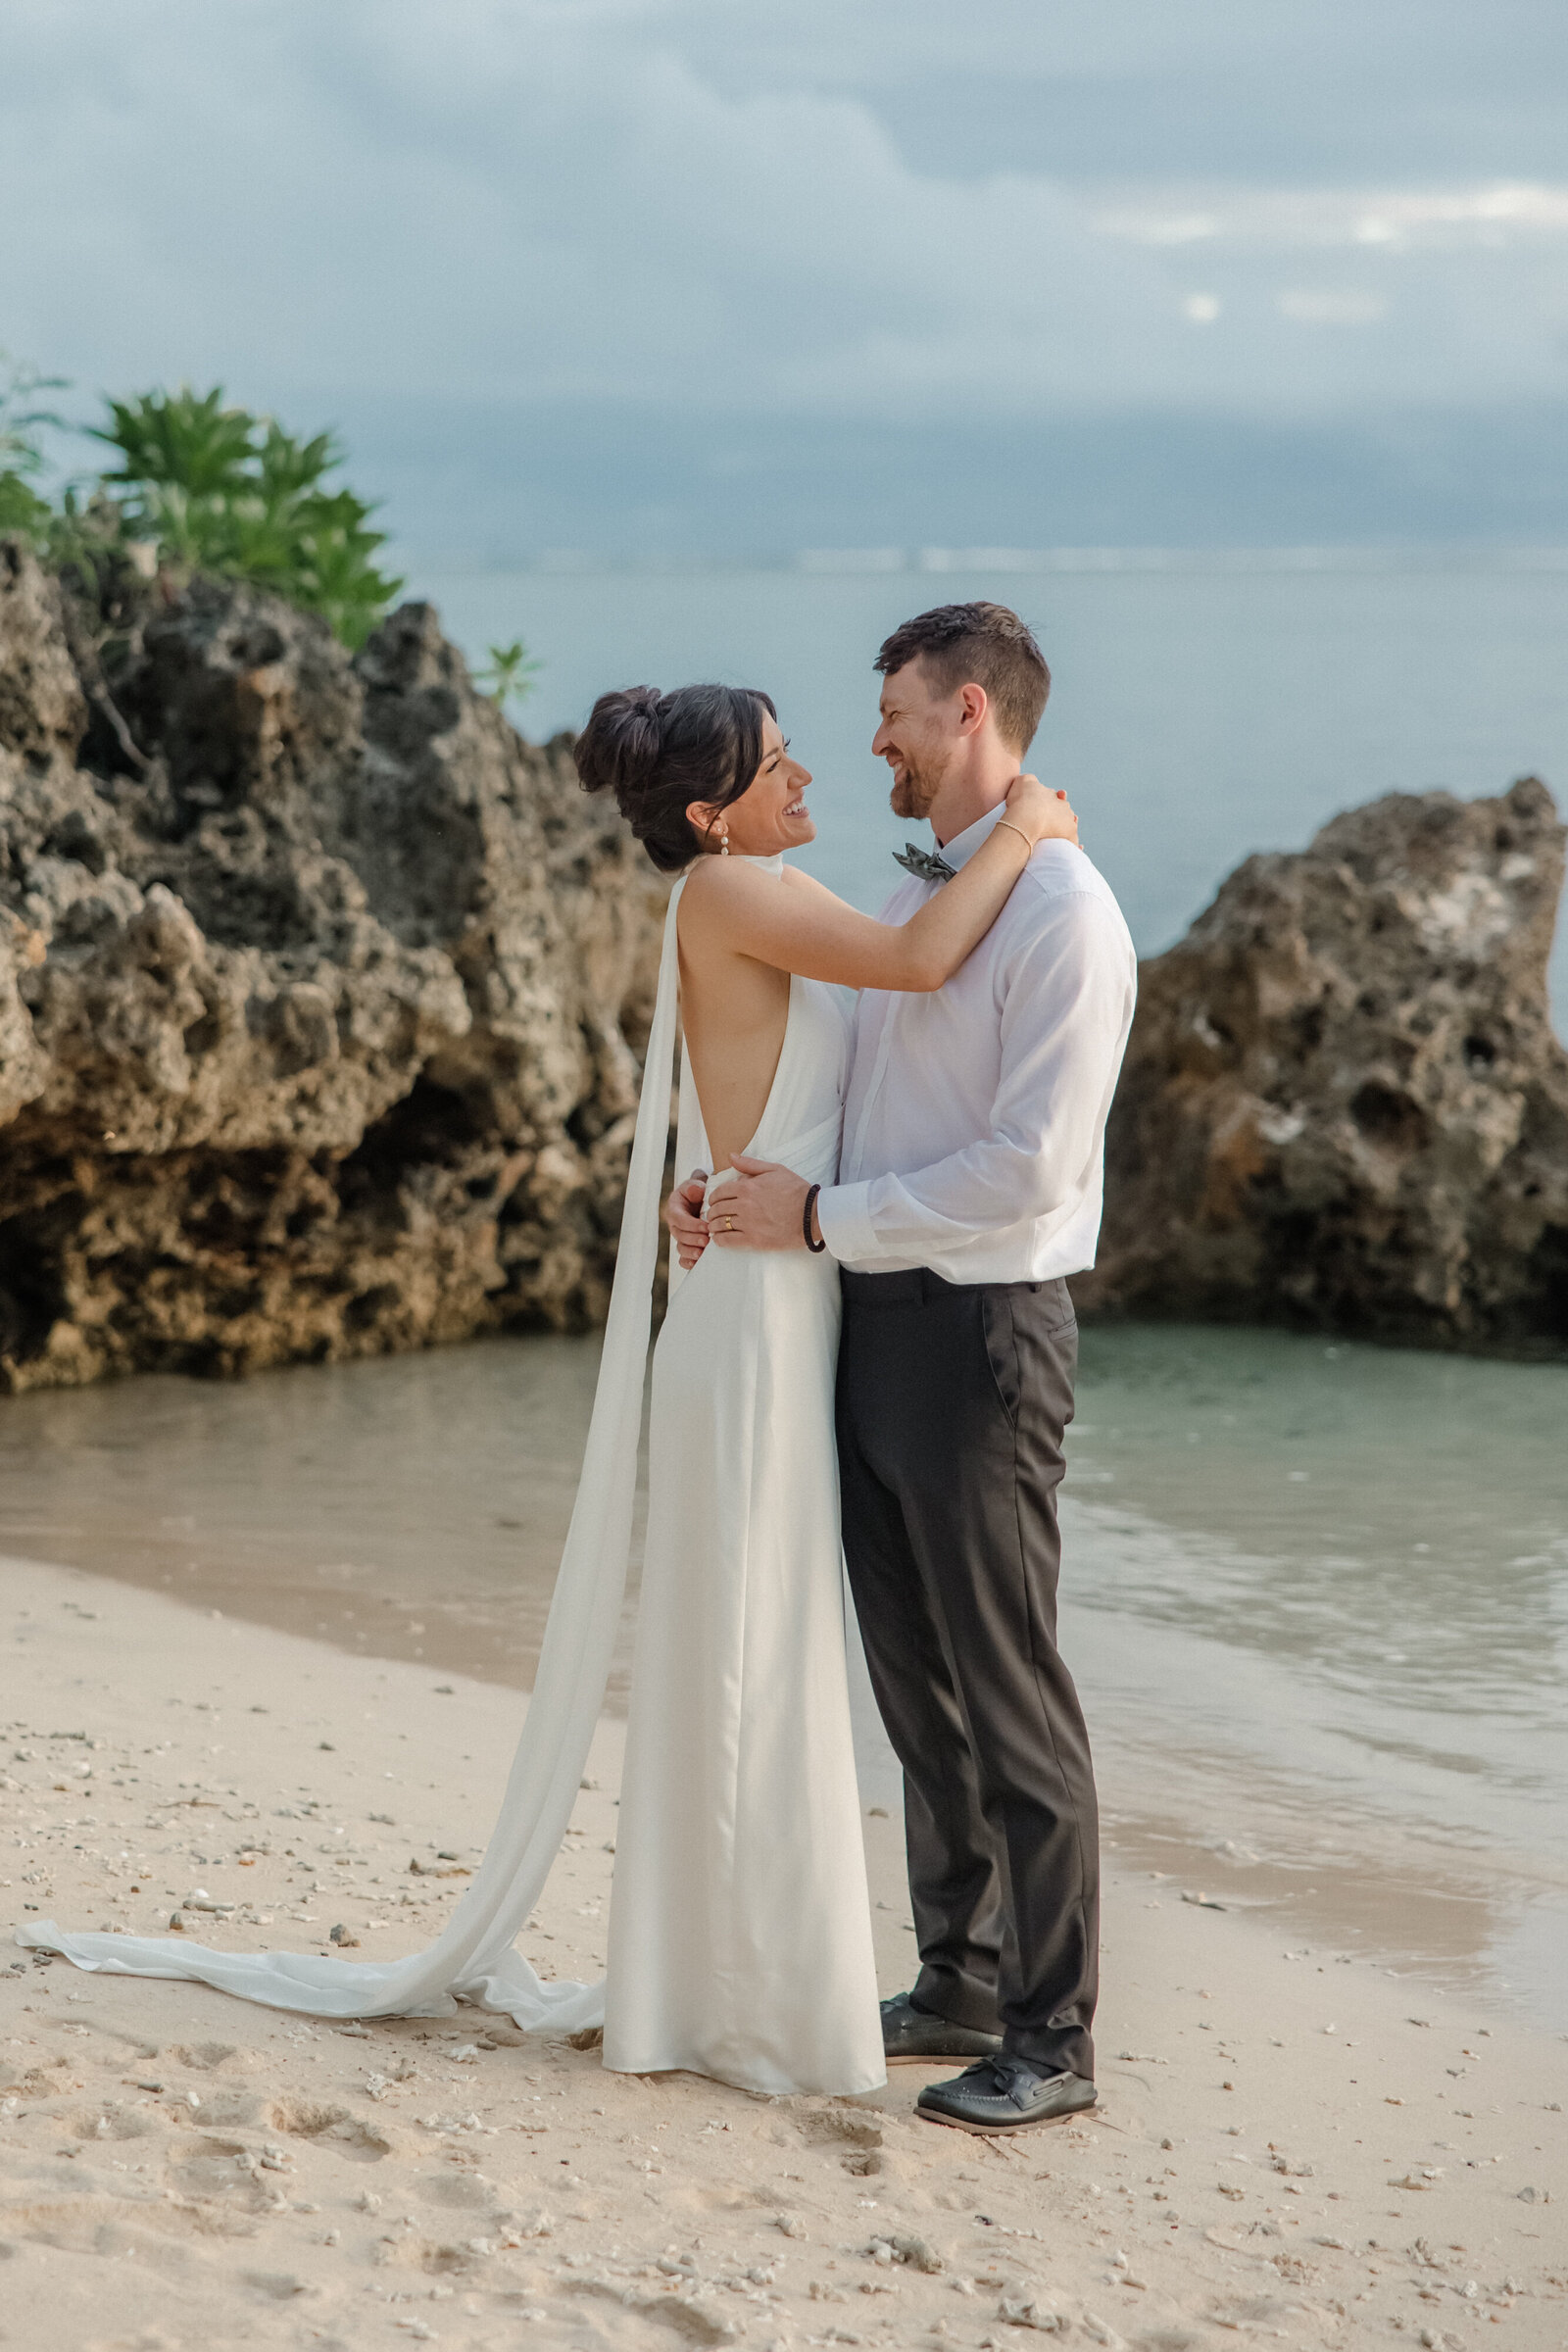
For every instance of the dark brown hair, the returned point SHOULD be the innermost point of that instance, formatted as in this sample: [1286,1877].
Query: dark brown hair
[982,645]
[656,751]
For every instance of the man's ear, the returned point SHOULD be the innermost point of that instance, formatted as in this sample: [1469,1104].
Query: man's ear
[974,703]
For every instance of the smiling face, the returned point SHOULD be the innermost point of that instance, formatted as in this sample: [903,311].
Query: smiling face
[919,734]
[769,814]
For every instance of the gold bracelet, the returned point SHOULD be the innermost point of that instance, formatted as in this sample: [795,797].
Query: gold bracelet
[1018,829]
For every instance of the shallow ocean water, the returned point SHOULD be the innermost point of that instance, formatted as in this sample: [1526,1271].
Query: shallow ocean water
[1316,1594]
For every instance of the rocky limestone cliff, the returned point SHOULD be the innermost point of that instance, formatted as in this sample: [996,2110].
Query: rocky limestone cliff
[1344,1104]
[320,993]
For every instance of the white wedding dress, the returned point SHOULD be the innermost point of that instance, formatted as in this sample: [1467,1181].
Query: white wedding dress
[740,1936]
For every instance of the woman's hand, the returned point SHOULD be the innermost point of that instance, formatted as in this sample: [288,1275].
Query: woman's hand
[683,1214]
[1043,815]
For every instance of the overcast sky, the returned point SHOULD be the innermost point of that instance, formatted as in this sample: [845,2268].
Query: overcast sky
[829,211]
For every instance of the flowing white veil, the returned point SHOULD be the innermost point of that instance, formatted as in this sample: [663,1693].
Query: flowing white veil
[477,1958]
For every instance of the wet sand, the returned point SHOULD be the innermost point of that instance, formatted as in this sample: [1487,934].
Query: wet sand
[1292,2144]
[410,1507]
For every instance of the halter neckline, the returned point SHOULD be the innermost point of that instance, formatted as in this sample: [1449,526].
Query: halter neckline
[773,865]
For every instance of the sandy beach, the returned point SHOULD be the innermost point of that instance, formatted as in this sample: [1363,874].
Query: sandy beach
[1292,2143]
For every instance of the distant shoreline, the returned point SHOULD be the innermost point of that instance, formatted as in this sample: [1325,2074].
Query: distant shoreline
[863,562]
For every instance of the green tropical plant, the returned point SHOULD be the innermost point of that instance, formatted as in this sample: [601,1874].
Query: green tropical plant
[511,673]
[20,507]
[217,489]
[182,441]
[22,458]
[199,485]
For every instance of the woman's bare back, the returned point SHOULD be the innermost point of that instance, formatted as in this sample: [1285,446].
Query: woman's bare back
[734,1012]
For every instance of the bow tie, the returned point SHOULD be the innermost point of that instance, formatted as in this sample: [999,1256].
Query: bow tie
[927,865]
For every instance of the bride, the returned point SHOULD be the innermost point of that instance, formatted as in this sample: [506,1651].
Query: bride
[740,1938]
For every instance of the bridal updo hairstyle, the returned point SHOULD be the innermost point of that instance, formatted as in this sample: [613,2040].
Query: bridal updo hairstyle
[659,752]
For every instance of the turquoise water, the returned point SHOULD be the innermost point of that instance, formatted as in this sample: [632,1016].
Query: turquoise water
[1376,1539]
[1202,707]
[1315,1597]
[1318,1601]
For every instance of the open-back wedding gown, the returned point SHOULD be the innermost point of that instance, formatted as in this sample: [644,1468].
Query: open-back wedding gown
[740,1938]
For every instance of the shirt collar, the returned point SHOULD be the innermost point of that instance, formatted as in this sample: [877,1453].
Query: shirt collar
[961,848]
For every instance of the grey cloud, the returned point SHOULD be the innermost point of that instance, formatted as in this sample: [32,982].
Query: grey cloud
[1299,88]
[891,212]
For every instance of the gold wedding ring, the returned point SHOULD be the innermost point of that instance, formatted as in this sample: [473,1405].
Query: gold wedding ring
[730,1224]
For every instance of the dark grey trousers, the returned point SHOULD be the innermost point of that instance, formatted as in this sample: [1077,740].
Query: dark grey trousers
[953,1401]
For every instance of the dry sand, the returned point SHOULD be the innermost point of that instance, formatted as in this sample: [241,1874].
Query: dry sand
[1292,2145]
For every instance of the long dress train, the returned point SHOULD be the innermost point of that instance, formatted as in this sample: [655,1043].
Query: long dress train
[740,1936]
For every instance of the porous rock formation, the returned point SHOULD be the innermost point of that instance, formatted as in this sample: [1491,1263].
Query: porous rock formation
[1344,1104]
[320,993]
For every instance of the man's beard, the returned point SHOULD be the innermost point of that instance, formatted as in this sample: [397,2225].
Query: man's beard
[914,791]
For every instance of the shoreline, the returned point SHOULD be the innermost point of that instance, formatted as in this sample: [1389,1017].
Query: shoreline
[1290,2141]
[1318,1690]
[1486,1919]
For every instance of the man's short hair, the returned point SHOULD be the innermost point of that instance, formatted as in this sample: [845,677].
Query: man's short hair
[981,645]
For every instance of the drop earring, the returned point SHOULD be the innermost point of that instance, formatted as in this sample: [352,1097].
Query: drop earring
[723,845]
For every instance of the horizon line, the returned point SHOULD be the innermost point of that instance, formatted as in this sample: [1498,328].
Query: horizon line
[872,561]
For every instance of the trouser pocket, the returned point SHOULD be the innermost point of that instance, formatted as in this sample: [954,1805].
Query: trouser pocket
[999,1338]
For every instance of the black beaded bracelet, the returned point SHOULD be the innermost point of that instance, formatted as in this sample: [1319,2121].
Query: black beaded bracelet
[816,1248]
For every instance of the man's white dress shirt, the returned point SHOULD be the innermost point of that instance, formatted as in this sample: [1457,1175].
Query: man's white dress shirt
[975,1123]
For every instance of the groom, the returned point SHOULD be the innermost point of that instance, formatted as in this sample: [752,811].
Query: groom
[970,1186]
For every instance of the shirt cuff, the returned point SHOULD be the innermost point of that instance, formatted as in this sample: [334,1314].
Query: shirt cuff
[844,1213]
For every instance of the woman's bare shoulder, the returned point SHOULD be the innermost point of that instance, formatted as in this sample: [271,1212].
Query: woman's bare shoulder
[719,890]
[722,880]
